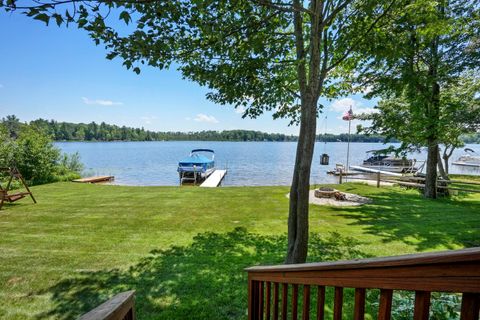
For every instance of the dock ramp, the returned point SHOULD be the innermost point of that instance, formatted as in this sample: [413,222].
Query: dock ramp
[214,179]
[387,173]
[97,179]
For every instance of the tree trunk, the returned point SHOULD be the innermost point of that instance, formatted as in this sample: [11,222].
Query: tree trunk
[446,165]
[309,91]
[431,177]
[441,168]
[433,114]
[433,117]
[300,189]
[446,157]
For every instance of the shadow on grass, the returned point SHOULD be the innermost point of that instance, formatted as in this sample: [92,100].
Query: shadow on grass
[204,280]
[425,224]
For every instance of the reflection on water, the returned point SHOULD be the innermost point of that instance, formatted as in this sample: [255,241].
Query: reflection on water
[248,163]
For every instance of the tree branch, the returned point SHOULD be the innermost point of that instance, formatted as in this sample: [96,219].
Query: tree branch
[300,49]
[355,45]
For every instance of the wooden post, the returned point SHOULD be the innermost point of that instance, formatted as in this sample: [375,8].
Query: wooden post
[359,309]
[253,299]
[340,177]
[422,305]
[2,198]
[26,187]
[385,306]
[338,304]
[378,179]
[121,306]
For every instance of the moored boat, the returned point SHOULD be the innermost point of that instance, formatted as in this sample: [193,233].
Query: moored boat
[469,159]
[197,166]
[388,163]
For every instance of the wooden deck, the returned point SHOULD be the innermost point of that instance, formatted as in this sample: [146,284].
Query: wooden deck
[97,179]
[214,179]
[451,271]
[272,288]
[120,307]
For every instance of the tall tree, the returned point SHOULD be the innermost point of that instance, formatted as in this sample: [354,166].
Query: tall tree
[260,55]
[425,48]
[12,124]
[459,114]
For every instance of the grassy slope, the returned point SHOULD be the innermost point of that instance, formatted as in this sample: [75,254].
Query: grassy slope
[81,243]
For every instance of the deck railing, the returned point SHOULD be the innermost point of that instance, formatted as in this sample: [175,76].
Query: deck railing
[120,307]
[452,271]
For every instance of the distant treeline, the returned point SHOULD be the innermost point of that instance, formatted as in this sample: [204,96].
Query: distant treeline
[471,138]
[66,131]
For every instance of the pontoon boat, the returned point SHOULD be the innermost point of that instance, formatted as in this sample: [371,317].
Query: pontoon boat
[196,167]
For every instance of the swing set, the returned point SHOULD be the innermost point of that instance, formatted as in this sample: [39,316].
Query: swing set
[13,173]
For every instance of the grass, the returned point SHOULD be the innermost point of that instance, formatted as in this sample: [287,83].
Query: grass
[184,249]
[465,177]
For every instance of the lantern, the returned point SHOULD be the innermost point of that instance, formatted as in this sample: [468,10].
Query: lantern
[324,158]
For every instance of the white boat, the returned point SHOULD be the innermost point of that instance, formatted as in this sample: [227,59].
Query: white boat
[387,163]
[469,159]
[196,167]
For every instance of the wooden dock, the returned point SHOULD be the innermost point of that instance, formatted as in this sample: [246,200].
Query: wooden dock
[97,179]
[214,179]
[387,173]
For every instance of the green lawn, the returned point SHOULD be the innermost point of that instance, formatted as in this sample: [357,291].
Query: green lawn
[184,249]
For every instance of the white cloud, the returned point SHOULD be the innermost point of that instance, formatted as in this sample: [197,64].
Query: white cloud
[343,127]
[366,110]
[344,104]
[148,120]
[366,89]
[240,109]
[101,102]
[205,118]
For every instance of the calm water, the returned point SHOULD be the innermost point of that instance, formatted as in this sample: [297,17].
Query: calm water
[248,163]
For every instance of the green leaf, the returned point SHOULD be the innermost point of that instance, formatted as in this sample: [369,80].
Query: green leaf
[125,16]
[69,16]
[58,19]
[111,55]
[82,23]
[136,70]
[42,17]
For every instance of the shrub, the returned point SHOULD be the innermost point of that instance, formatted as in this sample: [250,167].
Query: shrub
[444,306]
[69,167]
[35,155]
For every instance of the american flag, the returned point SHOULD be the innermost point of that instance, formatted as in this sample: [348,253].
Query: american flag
[347,116]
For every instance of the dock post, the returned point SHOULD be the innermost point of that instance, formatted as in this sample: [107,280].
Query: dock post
[340,177]
[194,174]
[378,179]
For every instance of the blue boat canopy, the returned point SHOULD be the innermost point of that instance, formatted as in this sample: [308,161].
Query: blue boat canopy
[195,159]
[202,150]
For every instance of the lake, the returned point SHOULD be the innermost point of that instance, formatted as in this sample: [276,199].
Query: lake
[248,163]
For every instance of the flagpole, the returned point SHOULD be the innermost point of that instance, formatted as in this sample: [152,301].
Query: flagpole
[348,144]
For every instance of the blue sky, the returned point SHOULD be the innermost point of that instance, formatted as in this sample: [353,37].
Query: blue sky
[58,73]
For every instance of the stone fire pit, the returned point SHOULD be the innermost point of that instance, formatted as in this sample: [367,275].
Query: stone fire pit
[333,197]
[325,192]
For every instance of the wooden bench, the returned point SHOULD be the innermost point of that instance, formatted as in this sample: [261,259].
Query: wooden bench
[451,271]
[13,173]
